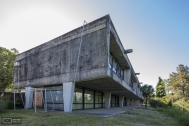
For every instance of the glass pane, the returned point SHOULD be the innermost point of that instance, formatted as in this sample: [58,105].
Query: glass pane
[113,99]
[77,106]
[98,97]
[110,59]
[98,105]
[89,105]
[54,96]
[78,95]
[89,96]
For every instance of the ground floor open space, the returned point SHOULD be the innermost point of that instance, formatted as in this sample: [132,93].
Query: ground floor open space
[69,97]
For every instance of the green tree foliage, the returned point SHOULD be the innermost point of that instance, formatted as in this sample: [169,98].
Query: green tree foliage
[148,92]
[160,88]
[178,86]
[6,67]
[179,82]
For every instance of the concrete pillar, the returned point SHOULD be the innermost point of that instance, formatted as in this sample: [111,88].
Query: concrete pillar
[107,99]
[121,99]
[68,93]
[28,97]
[128,101]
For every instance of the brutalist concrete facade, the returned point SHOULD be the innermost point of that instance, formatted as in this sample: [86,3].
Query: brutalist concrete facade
[54,62]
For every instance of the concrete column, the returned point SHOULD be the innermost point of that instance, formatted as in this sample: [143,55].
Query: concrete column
[28,97]
[128,101]
[68,93]
[121,98]
[107,99]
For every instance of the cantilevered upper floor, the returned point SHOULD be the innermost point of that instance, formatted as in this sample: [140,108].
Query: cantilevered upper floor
[103,65]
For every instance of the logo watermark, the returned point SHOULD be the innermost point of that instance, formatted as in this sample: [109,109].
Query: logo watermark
[11,120]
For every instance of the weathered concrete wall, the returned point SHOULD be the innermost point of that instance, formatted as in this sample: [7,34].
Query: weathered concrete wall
[54,62]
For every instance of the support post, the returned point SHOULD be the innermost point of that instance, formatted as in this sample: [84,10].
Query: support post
[35,100]
[14,100]
[52,100]
[107,99]
[68,93]
[121,99]
[45,101]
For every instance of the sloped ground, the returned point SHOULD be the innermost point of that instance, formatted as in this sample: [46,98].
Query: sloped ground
[132,117]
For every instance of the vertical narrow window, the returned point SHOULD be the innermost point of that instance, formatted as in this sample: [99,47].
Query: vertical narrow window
[110,62]
[114,66]
[89,99]
[78,99]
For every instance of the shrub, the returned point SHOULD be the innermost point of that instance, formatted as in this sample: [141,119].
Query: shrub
[156,102]
[9,102]
[2,105]
[181,116]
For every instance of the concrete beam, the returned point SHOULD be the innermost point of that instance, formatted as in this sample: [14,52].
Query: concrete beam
[28,97]
[68,93]
[128,51]
[121,99]
[107,99]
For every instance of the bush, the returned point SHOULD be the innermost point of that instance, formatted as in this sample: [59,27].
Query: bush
[181,116]
[156,102]
[9,102]
[2,105]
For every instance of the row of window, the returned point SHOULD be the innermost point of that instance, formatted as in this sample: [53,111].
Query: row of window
[83,98]
[116,68]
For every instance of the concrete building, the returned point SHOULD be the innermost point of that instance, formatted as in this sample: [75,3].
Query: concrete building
[105,76]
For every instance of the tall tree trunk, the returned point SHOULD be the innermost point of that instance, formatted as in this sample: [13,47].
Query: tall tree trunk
[146,103]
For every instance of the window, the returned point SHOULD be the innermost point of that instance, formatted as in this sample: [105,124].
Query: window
[114,101]
[98,100]
[115,67]
[54,98]
[89,99]
[78,98]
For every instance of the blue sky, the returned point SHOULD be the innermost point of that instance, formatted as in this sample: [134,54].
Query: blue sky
[156,30]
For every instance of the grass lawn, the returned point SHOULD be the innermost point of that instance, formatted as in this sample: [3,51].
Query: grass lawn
[132,117]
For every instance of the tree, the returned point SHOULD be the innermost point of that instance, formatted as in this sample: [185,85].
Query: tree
[14,51]
[160,88]
[6,68]
[179,82]
[147,91]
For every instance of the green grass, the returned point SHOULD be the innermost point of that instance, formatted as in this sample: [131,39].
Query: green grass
[132,117]
[181,116]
